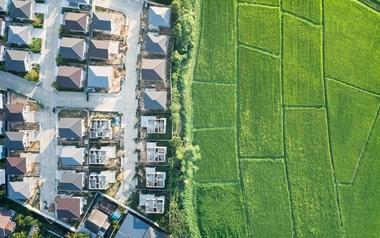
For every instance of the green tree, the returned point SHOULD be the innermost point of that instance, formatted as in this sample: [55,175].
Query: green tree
[20,220]
[21,234]
[32,76]
[77,235]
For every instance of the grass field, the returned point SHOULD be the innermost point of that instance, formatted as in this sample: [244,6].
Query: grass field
[352,113]
[218,155]
[214,105]
[267,196]
[263,2]
[352,44]
[310,10]
[216,61]
[259,26]
[260,104]
[302,59]
[221,211]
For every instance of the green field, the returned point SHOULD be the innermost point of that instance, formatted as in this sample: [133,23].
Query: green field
[260,131]
[310,10]
[214,105]
[259,26]
[303,79]
[221,211]
[267,196]
[263,2]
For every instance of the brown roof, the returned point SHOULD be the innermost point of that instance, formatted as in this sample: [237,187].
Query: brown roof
[6,225]
[99,49]
[69,77]
[15,165]
[68,208]
[76,21]
[13,112]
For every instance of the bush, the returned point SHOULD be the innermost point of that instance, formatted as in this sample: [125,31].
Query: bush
[35,45]
[32,76]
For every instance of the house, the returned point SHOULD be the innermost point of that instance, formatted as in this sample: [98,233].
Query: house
[155,153]
[103,49]
[15,140]
[97,222]
[71,128]
[5,5]
[136,227]
[154,124]
[15,165]
[17,60]
[70,77]
[152,203]
[159,17]
[72,156]
[76,22]
[101,129]
[18,112]
[101,180]
[104,22]
[99,76]
[2,26]
[101,156]
[156,43]
[72,48]
[69,207]
[20,35]
[153,70]
[7,226]
[21,9]
[155,100]
[19,190]
[71,180]
[154,179]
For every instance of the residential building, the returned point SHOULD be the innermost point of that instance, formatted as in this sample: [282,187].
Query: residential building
[7,226]
[76,22]
[159,17]
[72,48]
[101,156]
[70,77]
[18,112]
[153,70]
[71,180]
[15,165]
[22,9]
[19,190]
[99,76]
[154,179]
[154,124]
[156,43]
[155,153]
[69,207]
[5,5]
[20,35]
[154,100]
[103,49]
[100,128]
[104,22]
[18,140]
[71,156]
[101,180]
[71,128]
[152,203]
[97,223]
[17,60]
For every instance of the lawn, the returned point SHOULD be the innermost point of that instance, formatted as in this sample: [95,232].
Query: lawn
[220,210]
[351,115]
[214,105]
[264,2]
[260,26]
[218,155]
[311,10]
[302,60]
[260,130]
[352,44]
[216,61]
[310,174]
[267,197]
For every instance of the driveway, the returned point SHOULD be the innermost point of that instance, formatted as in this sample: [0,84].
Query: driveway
[41,8]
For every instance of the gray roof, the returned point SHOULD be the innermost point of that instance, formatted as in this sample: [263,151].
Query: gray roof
[19,190]
[68,208]
[99,49]
[156,43]
[71,181]
[159,16]
[13,140]
[134,227]
[15,165]
[72,48]
[96,220]
[76,21]
[19,35]
[99,76]
[69,77]
[15,60]
[13,112]
[70,128]
[102,21]
[21,9]
[2,3]
[72,156]
[155,100]
[153,69]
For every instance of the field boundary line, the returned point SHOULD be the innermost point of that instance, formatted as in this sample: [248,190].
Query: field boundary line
[360,2]
[212,82]
[214,128]
[301,18]
[221,182]
[258,4]
[248,157]
[259,49]
[353,86]
[303,106]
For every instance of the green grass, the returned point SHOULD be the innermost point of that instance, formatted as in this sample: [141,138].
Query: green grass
[351,115]
[302,59]
[218,155]
[267,197]
[360,203]
[260,127]
[310,174]
[311,10]
[220,211]
[216,59]
[214,105]
[352,43]
[259,26]
[265,2]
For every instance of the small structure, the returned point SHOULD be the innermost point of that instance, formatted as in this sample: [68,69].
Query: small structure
[7,226]
[21,9]
[19,190]
[71,128]
[15,165]
[2,26]
[72,48]
[5,5]
[79,1]
[69,207]
[155,179]
[103,49]
[152,203]
[17,60]
[18,112]
[153,70]
[70,77]
[156,43]
[155,100]
[101,180]
[97,223]
[101,156]
[155,153]
[16,140]
[77,22]
[159,17]
[99,76]
[104,22]
[72,156]
[2,52]
[2,176]
[100,129]
[20,35]
[71,180]
[154,124]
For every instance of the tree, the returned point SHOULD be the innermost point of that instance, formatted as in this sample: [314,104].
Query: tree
[32,76]
[54,84]
[77,235]
[21,234]
[115,224]
[20,219]
[28,220]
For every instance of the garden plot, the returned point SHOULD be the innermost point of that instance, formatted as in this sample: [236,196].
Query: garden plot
[309,10]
